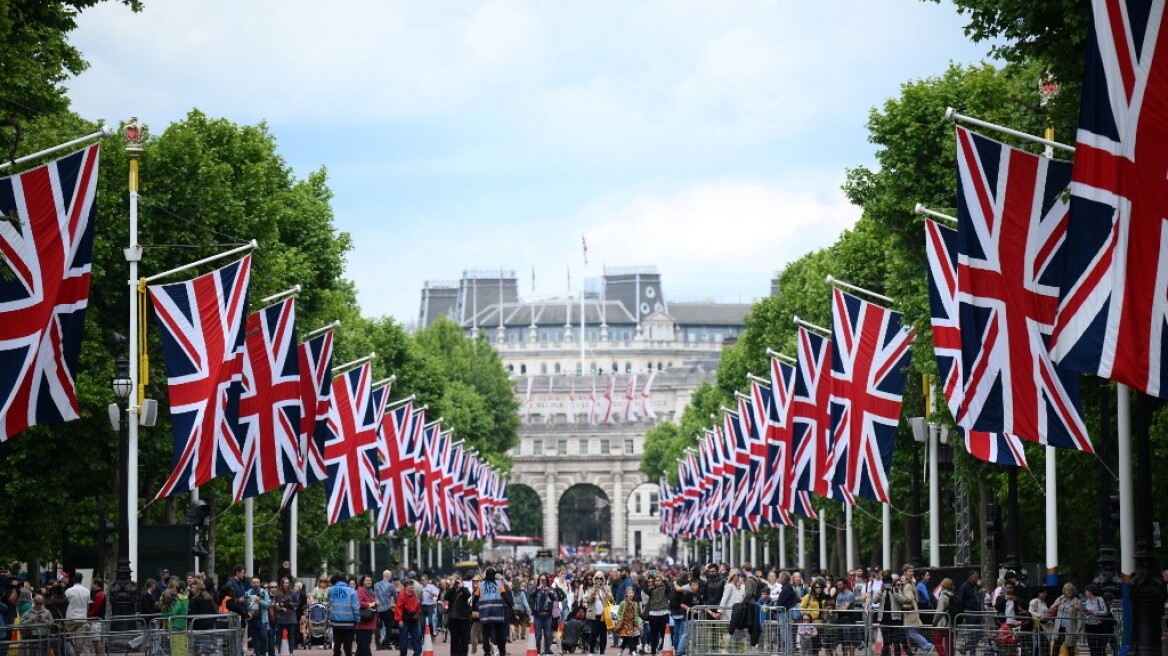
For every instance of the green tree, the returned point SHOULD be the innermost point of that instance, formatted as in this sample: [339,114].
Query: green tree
[35,61]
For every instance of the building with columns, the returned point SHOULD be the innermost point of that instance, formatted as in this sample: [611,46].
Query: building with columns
[580,450]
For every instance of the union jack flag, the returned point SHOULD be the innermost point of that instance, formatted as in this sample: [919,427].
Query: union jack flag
[201,325]
[870,353]
[396,473]
[46,237]
[269,409]
[350,454]
[1011,220]
[592,404]
[811,417]
[941,251]
[646,397]
[780,491]
[737,430]
[1113,305]
[608,399]
[315,358]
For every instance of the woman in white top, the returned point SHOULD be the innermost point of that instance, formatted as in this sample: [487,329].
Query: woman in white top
[735,590]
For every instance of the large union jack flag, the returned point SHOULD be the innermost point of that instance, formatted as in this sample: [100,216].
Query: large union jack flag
[870,353]
[811,416]
[201,323]
[397,470]
[1113,305]
[270,407]
[46,236]
[1011,222]
[941,252]
[315,359]
[780,492]
[350,454]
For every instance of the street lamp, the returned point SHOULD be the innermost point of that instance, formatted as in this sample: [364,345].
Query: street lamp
[122,592]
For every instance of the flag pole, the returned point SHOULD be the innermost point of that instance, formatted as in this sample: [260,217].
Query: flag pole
[135,136]
[812,327]
[384,381]
[785,358]
[294,291]
[758,379]
[353,363]
[102,132]
[836,282]
[921,210]
[953,115]
[323,329]
[246,248]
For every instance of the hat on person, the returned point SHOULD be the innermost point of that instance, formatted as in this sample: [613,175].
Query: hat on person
[412,574]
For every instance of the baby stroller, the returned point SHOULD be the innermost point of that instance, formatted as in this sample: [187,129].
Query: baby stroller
[575,636]
[319,632]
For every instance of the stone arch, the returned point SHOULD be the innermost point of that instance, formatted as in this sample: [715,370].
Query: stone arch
[524,510]
[585,515]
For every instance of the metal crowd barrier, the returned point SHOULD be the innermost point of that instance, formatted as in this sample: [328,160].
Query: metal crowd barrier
[906,632]
[204,635]
[707,632]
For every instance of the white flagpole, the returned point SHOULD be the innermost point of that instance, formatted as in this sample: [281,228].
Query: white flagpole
[822,541]
[249,535]
[802,540]
[850,538]
[135,137]
[934,486]
[952,115]
[1127,507]
[101,133]
[835,282]
[782,546]
[294,535]
[250,246]
[886,535]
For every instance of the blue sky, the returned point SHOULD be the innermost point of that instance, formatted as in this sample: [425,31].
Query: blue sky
[707,138]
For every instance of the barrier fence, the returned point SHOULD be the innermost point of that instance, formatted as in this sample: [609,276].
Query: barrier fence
[710,631]
[193,635]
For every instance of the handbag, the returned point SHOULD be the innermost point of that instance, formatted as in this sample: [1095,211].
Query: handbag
[367,614]
[609,620]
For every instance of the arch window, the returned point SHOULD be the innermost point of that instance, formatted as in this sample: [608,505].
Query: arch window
[557,367]
[522,369]
[628,367]
[543,368]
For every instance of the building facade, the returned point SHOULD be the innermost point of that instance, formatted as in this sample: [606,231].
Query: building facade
[593,373]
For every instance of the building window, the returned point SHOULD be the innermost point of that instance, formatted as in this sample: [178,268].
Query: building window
[637,504]
[510,368]
[658,366]
[562,448]
[628,367]
[628,447]
[537,447]
[543,368]
[594,368]
[515,450]
[523,369]
[653,503]
[557,367]
[603,447]
[584,447]
[579,368]
[615,367]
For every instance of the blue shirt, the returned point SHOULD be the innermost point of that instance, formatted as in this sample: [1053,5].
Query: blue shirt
[386,593]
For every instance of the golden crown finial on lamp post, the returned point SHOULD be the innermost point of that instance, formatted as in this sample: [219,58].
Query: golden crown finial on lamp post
[135,136]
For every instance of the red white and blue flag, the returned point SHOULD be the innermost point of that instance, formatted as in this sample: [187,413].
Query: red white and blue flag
[315,358]
[350,454]
[870,355]
[1011,223]
[201,323]
[270,407]
[46,238]
[396,473]
[811,417]
[941,252]
[1113,307]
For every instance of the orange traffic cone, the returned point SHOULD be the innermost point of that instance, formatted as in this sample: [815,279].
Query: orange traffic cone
[879,641]
[285,650]
[531,640]
[428,644]
[667,646]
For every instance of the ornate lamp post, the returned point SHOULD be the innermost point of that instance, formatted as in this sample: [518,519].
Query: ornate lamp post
[123,593]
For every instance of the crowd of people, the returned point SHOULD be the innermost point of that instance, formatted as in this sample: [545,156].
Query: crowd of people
[590,608]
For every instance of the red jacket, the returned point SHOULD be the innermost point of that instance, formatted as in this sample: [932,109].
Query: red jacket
[366,599]
[408,606]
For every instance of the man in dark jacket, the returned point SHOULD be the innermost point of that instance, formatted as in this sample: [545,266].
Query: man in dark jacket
[714,584]
[786,598]
[968,600]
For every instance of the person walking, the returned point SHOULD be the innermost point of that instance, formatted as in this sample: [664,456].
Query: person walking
[408,614]
[628,622]
[596,601]
[386,593]
[658,611]
[173,606]
[492,603]
[285,601]
[367,616]
[543,601]
[1068,608]
[458,598]
[1097,621]
[344,611]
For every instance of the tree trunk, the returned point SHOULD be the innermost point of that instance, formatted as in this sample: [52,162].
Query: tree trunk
[171,511]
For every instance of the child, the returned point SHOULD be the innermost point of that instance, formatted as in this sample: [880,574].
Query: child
[807,635]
